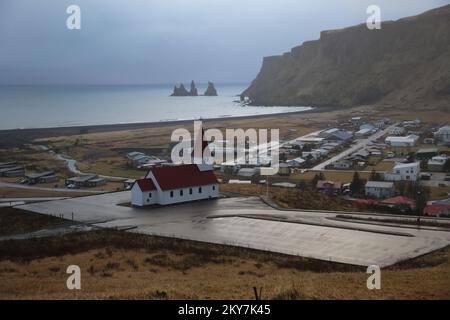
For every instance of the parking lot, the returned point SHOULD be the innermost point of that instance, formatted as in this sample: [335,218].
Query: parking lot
[243,222]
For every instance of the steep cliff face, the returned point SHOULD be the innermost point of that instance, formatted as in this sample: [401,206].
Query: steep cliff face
[406,62]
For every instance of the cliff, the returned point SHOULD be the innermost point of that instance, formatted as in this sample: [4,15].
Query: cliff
[407,63]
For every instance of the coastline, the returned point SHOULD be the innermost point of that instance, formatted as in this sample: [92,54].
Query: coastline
[16,137]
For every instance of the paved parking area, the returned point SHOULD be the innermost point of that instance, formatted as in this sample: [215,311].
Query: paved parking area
[221,221]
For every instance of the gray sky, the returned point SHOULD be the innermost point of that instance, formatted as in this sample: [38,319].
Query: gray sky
[167,41]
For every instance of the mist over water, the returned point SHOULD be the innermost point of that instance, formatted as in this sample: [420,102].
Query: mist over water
[60,106]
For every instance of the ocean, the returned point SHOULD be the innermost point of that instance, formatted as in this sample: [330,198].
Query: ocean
[66,106]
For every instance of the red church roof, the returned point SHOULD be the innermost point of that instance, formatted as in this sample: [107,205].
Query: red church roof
[183,176]
[146,185]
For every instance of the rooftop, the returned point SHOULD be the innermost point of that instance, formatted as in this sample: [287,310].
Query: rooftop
[379,184]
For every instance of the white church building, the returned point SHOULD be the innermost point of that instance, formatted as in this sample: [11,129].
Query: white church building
[175,184]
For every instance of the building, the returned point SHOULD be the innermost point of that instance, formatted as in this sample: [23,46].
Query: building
[342,164]
[82,181]
[396,131]
[128,184]
[437,210]
[48,179]
[96,182]
[248,172]
[437,163]
[333,135]
[379,189]
[426,153]
[329,187]
[408,141]
[443,135]
[34,178]
[404,172]
[363,132]
[296,163]
[284,169]
[6,170]
[400,203]
[175,184]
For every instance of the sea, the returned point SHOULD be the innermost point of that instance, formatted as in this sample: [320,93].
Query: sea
[23,107]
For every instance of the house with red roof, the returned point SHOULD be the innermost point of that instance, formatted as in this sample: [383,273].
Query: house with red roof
[437,210]
[175,184]
[399,202]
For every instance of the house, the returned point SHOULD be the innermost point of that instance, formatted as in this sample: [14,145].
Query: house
[404,172]
[96,182]
[284,169]
[360,155]
[296,163]
[407,141]
[399,202]
[284,185]
[34,178]
[443,135]
[309,140]
[6,170]
[332,135]
[175,184]
[248,172]
[313,154]
[363,132]
[396,131]
[379,189]
[128,184]
[81,182]
[437,163]
[426,153]
[342,164]
[48,179]
[437,210]
[329,187]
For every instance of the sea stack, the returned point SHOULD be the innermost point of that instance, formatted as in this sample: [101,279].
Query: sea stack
[182,92]
[211,91]
[193,91]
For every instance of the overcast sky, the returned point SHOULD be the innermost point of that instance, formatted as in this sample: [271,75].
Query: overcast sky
[167,41]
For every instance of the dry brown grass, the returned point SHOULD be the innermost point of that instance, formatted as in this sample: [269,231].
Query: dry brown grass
[293,198]
[31,193]
[15,221]
[155,268]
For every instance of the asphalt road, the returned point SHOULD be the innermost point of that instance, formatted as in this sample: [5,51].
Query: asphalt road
[357,146]
[220,221]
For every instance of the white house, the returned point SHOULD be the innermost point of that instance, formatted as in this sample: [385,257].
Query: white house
[379,189]
[175,184]
[437,163]
[443,135]
[404,172]
[408,141]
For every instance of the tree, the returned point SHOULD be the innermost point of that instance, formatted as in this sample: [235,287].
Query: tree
[357,184]
[317,178]
[375,176]
[421,194]
[447,165]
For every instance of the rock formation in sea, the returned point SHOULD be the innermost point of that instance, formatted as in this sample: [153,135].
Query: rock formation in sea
[194,91]
[181,91]
[211,90]
[404,64]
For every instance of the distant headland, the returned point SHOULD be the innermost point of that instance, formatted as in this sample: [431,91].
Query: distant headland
[181,91]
